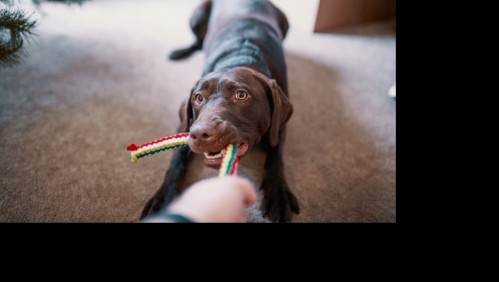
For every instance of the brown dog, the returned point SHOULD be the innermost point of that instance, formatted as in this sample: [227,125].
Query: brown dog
[241,98]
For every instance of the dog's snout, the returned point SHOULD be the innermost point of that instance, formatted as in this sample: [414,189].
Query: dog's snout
[203,132]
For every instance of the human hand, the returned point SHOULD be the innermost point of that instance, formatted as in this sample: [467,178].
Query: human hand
[216,200]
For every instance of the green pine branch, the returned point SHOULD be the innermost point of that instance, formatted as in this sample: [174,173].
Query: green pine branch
[16,28]
[68,2]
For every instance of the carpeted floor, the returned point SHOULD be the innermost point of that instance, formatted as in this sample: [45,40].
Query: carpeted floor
[97,80]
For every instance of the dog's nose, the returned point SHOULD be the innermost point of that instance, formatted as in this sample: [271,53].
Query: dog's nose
[202,132]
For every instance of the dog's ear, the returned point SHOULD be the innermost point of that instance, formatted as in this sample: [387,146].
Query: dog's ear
[281,108]
[185,115]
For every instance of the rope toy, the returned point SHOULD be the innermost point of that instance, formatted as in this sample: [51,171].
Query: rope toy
[229,161]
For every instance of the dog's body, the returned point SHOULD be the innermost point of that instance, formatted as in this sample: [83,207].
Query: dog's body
[241,98]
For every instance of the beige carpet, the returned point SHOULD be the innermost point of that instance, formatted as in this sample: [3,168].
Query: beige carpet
[97,80]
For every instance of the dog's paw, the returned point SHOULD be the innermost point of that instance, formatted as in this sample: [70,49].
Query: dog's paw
[278,202]
[153,205]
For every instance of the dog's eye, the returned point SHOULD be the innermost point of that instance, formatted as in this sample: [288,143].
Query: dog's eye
[241,95]
[199,98]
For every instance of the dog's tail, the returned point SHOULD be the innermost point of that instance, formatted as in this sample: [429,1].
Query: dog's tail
[185,52]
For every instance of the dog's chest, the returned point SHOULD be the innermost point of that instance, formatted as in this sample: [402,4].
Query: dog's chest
[249,167]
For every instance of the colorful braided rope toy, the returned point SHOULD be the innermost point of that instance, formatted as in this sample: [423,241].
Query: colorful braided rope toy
[229,161]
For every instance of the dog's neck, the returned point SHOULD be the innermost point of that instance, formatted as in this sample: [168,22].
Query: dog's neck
[246,53]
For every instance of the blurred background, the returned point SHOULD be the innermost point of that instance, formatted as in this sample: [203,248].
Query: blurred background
[95,78]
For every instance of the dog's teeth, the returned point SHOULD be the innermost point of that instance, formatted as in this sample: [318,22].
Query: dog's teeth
[208,156]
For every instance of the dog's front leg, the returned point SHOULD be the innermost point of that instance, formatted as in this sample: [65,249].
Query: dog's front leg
[171,185]
[278,200]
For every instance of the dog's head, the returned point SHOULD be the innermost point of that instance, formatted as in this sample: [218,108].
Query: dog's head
[238,106]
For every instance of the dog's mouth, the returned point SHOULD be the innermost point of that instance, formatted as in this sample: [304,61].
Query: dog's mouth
[214,159]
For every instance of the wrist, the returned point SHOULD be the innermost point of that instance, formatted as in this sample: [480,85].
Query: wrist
[166,216]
